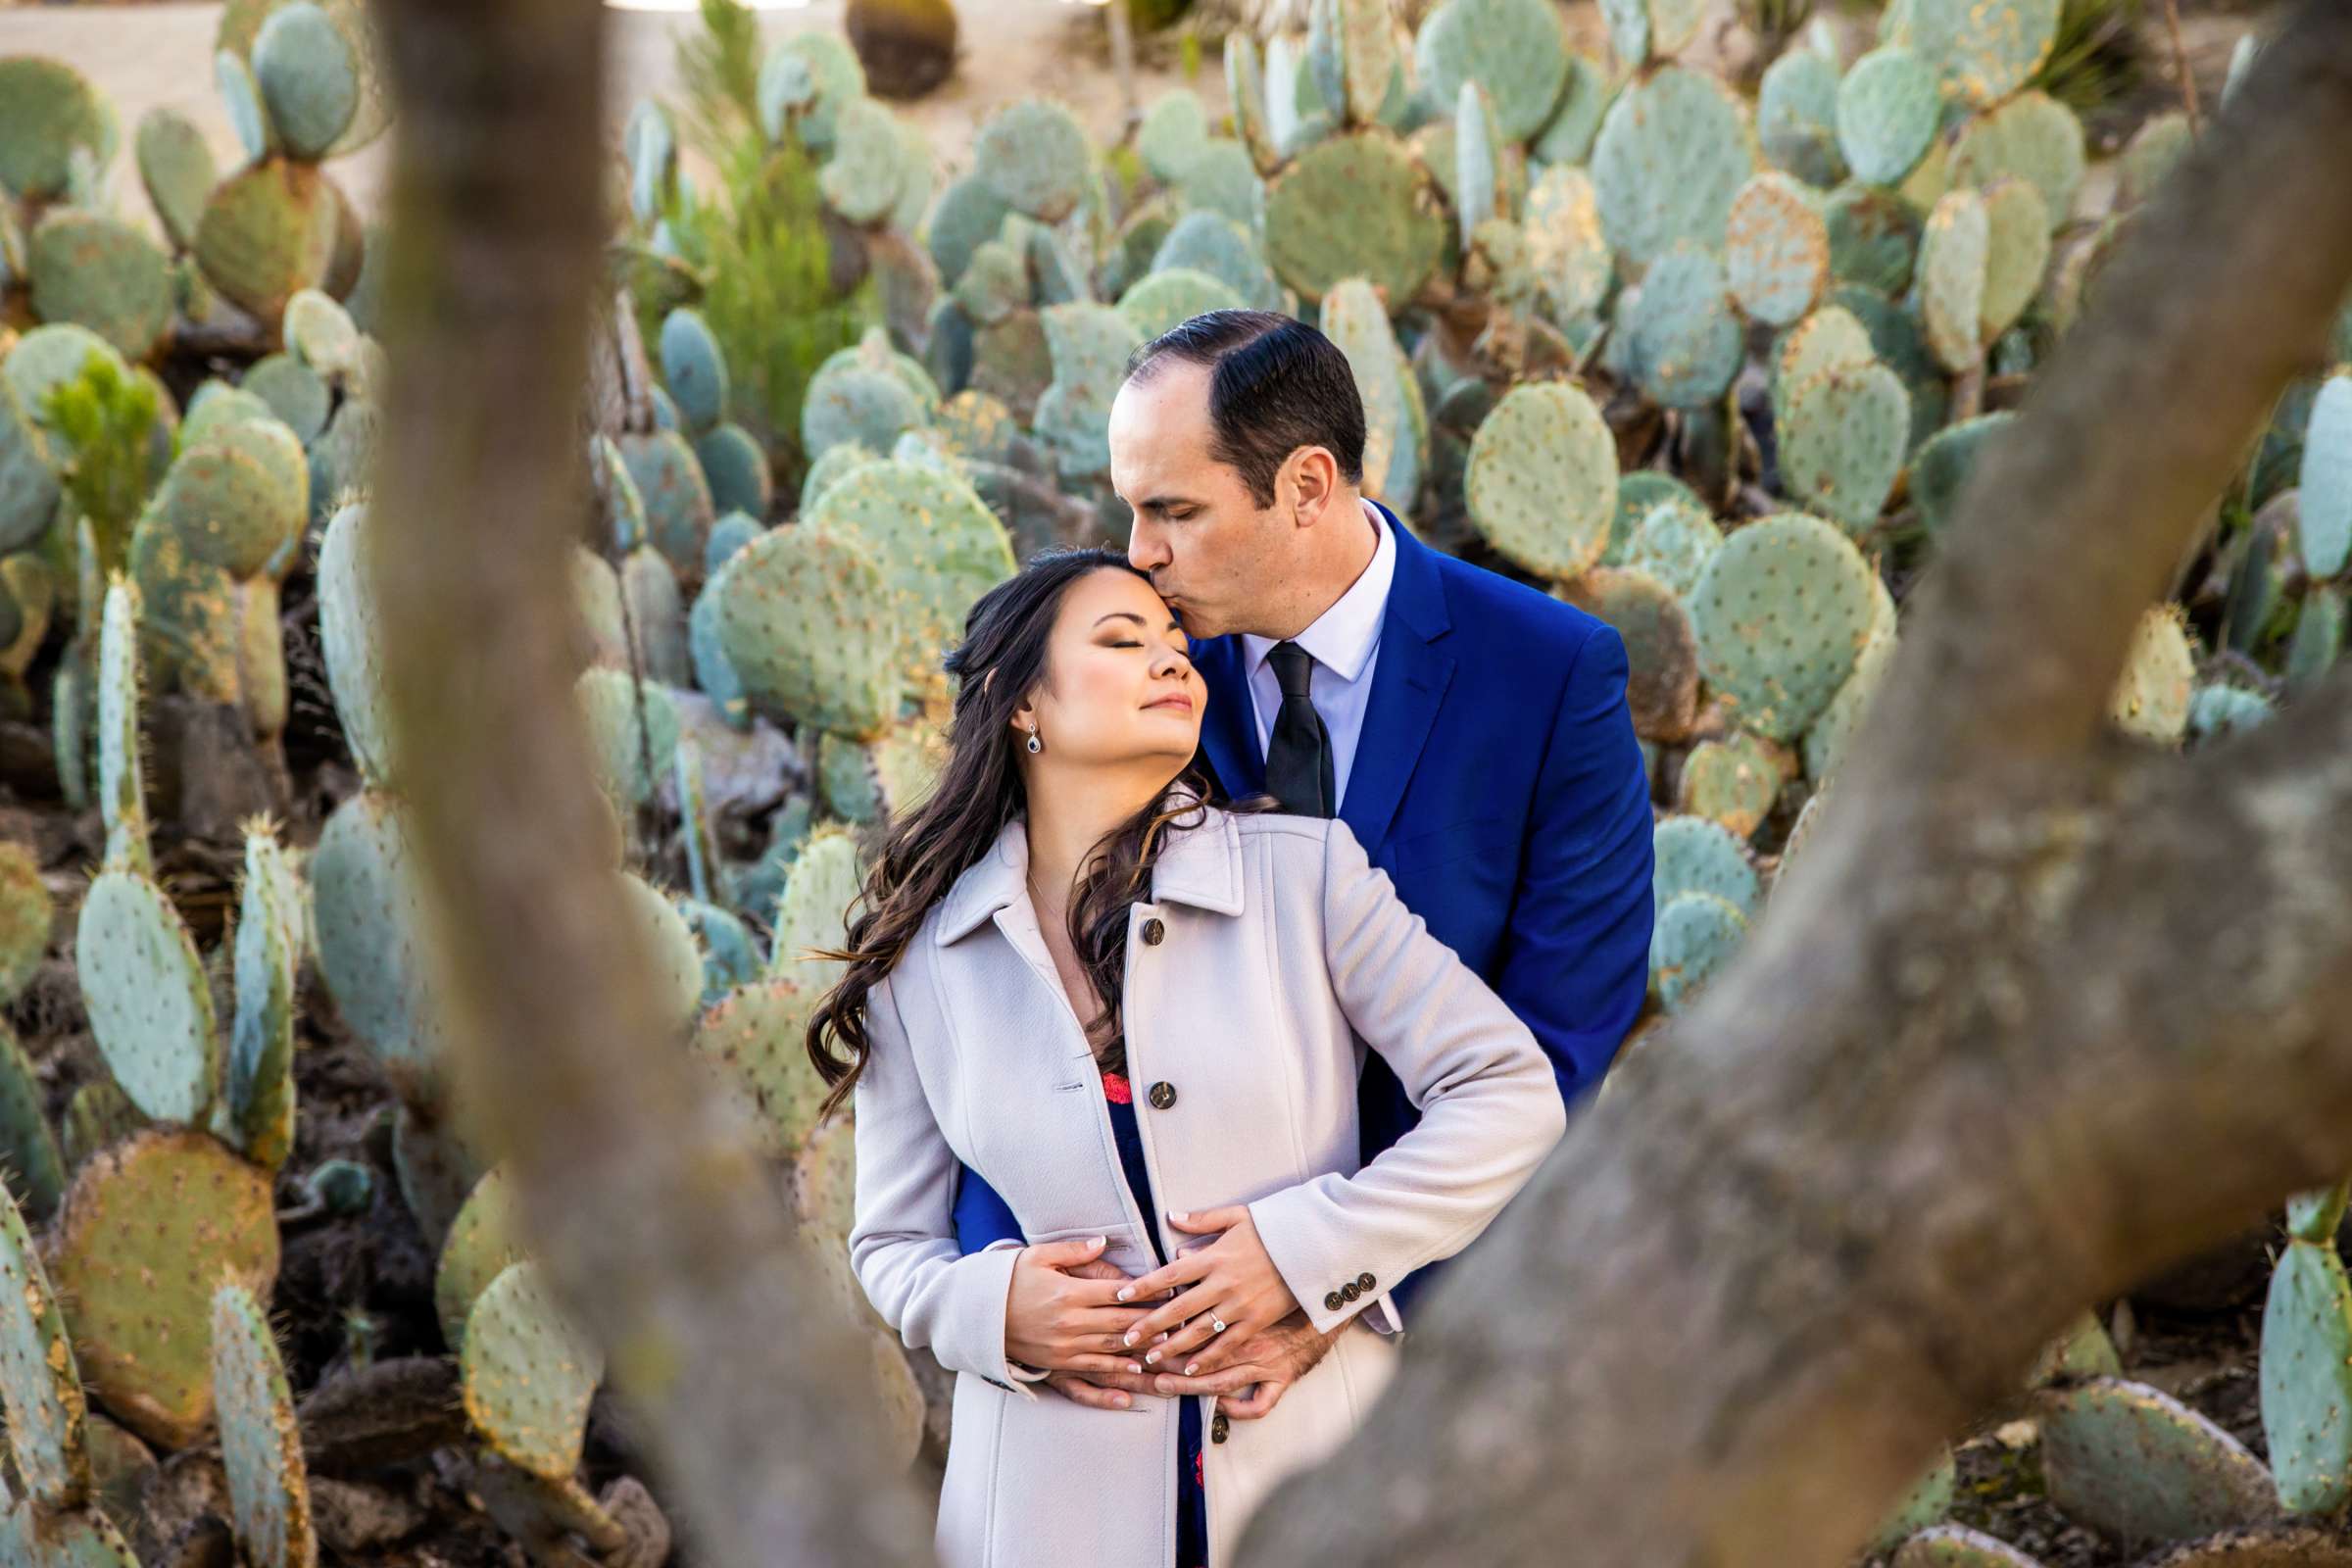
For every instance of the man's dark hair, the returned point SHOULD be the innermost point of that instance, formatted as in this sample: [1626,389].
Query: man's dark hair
[1275,385]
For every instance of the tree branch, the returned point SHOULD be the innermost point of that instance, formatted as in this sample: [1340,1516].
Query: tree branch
[660,1226]
[2222,291]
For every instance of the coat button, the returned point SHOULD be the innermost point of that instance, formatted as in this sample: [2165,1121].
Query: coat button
[1162,1095]
[1351,1291]
[1219,1427]
[1332,1301]
[1154,931]
[1364,1283]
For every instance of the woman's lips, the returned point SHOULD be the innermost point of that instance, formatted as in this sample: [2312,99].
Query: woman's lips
[1185,703]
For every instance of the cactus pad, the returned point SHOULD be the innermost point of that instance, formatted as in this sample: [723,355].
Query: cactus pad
[528,1374]
[1673,543]
[104,273]
[2307,1377]
[1843,442]
[735,468]
[1354,206]
[1674,149]
[1929,1499]
[2017,254]
[368,918]
[1035,157]
[121,797]
[1940,467]
[1958,1546]
[2031,137]
[1089,345]
[48,113]
[243,22]
[1564,242]
[1826,739]
[1781,612]
[1776,250]
[350,638]
[2151,697]
[1164,299]
[1887,113]
[260,1443]
[272,933]
[1696,935]
[861,179]
[1693,855]
[1982,50]
[235,496]
[667,940]
[1245,92]
[1662,676]
[1796,117]
[483,1241]
[943,549]
[38,1381]
[755,1037]
[309,78]
[148,1004]
[28,483]
[812,915]
[2324,519]
[267,232]
[2131,1461]
[615,739]
[26,917]
[1682,343]
[692,368]
[1874,237]
[668,480]
[1217,245]
[857,401]
[149,1230]
[802,83]
[297,394]
[1732,782]
[1514,49]
[809,624]
[1541,483]
[1953,258]
[34,1170]
[2152,154]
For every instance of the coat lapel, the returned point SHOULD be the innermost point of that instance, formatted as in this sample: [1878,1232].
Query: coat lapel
[1410,678]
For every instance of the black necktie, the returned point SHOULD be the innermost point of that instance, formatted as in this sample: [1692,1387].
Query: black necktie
[1298,756]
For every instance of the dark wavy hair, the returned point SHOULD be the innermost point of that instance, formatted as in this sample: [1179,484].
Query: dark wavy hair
[999,662]
[1275,385]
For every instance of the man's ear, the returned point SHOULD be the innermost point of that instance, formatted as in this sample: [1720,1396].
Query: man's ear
[1313,479]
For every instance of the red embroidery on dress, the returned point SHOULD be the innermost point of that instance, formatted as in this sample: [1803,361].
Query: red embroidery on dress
[1115,1089]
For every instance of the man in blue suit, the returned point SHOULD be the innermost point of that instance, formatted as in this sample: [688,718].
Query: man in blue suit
[1472,731]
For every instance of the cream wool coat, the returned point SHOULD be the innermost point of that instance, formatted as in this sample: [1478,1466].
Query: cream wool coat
[1269,956]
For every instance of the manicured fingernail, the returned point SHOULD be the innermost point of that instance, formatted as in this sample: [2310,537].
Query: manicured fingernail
[1161,1337]
[1130,1337]
[1097,1241]
[1119,1399]
[1133,1367]
[1191,1368]
[1127,1292]
[1152,1359]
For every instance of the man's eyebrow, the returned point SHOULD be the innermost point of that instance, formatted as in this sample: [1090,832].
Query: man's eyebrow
[1164,503]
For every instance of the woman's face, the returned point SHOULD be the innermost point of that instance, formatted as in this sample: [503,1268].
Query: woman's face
[1120,687]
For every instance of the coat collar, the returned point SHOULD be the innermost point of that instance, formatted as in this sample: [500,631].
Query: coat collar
[1199,865]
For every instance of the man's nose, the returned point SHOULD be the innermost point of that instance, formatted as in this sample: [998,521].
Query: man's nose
[1145,551]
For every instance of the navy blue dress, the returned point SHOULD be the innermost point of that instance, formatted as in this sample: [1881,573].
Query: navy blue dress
[1192,1493]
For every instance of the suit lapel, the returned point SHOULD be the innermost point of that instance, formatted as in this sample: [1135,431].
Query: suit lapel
[1410,678]
[1229,729]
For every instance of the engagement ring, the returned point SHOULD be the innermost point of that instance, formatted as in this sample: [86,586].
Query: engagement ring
[1216,1325]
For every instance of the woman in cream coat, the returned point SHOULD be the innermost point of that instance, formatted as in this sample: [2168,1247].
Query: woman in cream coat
[1063,917]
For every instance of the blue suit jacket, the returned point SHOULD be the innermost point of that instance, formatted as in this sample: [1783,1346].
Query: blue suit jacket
[1498,781]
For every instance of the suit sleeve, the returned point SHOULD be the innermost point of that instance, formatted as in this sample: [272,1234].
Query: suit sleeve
[1575,958]
[902,1243]
[1489,1111]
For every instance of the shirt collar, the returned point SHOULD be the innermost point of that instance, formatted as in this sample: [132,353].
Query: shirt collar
[1342,637]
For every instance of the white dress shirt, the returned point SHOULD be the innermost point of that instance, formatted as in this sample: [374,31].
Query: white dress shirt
[1344,643]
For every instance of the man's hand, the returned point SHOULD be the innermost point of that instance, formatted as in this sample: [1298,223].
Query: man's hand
[1063,1321]
[1272,1361]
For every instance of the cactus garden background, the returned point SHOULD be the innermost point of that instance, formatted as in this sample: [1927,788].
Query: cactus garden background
[460,630]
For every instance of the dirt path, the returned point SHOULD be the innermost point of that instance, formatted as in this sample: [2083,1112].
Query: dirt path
[144,55]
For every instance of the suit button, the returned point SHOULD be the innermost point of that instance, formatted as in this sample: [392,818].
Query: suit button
[1219,1427]
[1154,931]
[1162,1095]
[1334,1301]
[1351,1291]
[1366,1282]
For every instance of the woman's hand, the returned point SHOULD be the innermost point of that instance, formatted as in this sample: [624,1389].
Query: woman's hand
[1060,1323]
[1226,1293]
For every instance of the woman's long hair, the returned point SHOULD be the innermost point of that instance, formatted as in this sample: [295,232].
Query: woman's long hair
[999,662]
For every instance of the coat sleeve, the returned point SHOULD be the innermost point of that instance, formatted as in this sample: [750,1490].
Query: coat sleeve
[1489,1109]
[902,1243]
[1575,958]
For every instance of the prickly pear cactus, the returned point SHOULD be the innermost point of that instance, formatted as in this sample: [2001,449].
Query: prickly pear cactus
[1732,782]
[483,1241]
[1541,483]
[1356,206]
[1673,151]
[267,232]
[1697,934]
[1887,107]
[1982,50]
[1953,256]
[1662,681]
[1682,341]
[48,113]
[350,637]
[2151,698]
[150,1227]
[1674,542]
[1776,250]
[1694,855]
[150,1007]
[2324,517]
[811,916]
[31,1164]
[528,1375]
[104,273]
[1781,612]
[1929,1499]
[1164,299]
[1035,157]
[260,1443]
[755,1039]
[1958,1546]
[2133,1461]
[1844,440]
[39,1385]
[368,921]
[309,78]
[2307,1361]
[272,928]
[809,624]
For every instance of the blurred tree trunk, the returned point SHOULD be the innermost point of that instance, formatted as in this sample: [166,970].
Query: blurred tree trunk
[2038,1013]
[662,1227]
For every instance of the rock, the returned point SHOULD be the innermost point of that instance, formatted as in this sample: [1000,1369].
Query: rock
[745,772]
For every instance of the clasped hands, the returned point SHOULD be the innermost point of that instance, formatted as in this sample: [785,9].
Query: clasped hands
[1103,1337]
